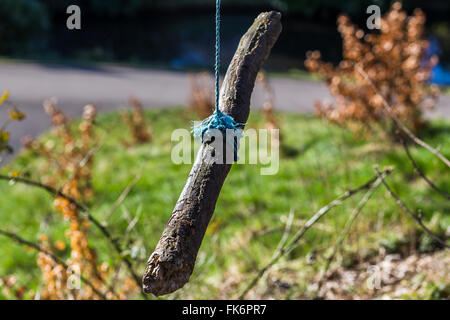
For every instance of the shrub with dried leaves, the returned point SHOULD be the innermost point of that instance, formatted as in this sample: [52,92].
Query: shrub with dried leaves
[14,115]
[136,123]
[69,158]
[69,166]
[394,59]
[201,100]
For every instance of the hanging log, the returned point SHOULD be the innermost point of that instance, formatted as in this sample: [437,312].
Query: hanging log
[171,264]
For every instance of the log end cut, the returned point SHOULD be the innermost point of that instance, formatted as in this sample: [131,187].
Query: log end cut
[163,276]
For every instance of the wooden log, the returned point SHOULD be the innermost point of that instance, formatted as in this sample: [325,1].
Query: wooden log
[171,264]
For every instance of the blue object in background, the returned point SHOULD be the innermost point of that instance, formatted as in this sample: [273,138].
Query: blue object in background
[439,75]
[189,59]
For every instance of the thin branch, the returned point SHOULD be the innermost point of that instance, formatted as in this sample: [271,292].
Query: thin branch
[356,211]
[417,219]
[298,223]
[399,123]
[55,258]
[123,196]
[287,230]
[420,173]
[114,241]
[299,235]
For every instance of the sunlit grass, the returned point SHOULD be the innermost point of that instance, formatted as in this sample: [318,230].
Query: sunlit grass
[324,161]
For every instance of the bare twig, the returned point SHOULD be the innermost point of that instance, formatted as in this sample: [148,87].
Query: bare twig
[356,211]
[104,230]
[399,123]
[417,219]
[287,230]
[55,258]
[298,223]
[123,196]
[420,173]
[299,235]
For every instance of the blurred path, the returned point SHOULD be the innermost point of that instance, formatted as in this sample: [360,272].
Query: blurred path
[110,86]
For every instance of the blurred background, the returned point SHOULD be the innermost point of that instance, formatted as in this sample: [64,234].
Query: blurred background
[178,34]
[146,48]
[90,113]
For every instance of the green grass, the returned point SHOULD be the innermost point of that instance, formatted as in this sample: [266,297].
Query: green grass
[324,161]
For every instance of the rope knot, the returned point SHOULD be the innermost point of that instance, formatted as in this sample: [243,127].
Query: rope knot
[218,120]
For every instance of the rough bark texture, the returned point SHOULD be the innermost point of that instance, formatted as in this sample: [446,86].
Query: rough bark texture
[172,262]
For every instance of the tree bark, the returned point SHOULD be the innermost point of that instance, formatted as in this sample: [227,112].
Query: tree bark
[171,264]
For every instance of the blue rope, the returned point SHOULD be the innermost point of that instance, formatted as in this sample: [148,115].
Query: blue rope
[218,120]
[217,66]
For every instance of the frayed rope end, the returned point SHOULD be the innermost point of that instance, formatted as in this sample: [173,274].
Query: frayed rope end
[219,121]
[222,122]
